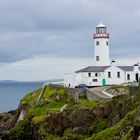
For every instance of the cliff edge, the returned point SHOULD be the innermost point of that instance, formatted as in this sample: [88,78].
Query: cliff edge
[58,116]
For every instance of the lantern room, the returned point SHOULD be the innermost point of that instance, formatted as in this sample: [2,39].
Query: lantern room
[101,31]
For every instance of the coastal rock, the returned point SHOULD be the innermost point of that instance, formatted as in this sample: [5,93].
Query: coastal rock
[136,134]
[117,109]
[7,120]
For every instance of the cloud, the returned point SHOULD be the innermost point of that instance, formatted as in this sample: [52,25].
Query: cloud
[63,29]
[42,68]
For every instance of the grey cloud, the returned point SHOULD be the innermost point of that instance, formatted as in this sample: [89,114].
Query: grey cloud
[64,28]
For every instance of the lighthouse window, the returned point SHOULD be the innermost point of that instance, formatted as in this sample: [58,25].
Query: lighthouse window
[107,43]
[97,43]
[97,58]
[97,30]
[118,74]
[109,74]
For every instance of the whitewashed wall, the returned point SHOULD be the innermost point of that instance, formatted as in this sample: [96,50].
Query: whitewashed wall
[83,78]
[102,50]
[69,80]
[114,79]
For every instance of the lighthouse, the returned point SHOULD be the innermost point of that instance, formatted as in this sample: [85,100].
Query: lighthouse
[102,73]
[101,46]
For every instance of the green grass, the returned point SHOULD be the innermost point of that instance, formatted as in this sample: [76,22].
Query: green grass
[38,119]
[128,135]
[43,107]
[117,87]
[31,98]
[52,137]
[100,125]
[86,103]
[70,135]
[50,91]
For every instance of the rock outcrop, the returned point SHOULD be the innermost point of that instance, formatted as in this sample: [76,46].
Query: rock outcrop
[137,124]
[7,120]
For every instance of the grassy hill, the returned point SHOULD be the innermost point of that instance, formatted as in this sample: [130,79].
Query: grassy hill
[111,119]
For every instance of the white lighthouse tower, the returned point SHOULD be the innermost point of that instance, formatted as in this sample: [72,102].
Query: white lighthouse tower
[101,44]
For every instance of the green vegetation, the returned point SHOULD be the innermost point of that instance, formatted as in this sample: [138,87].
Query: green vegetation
[70,135]
[56,98]
[109,133]
[31,98]
[84,103]
[52,137]
[22,130]
[38,119]
[97,120]
[118,87]
[128,135]
[100,125]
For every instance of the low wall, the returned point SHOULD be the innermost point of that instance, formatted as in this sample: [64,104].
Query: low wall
[133,89]
[74,92]
[56,86]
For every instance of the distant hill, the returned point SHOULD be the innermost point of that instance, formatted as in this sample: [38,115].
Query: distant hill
[8,81]
[47,81]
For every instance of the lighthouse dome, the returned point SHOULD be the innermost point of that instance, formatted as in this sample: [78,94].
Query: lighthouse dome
[101,25]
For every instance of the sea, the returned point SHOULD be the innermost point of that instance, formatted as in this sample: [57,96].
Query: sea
[12,92]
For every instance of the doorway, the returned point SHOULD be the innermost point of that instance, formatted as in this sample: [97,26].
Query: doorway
[103,82]
[137,77]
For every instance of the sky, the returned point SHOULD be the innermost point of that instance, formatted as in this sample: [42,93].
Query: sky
[44,39]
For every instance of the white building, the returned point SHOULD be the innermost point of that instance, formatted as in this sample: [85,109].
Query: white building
[102,72]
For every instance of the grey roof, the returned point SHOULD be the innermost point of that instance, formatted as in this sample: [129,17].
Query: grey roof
[93,69]
[102,68]
[127,68]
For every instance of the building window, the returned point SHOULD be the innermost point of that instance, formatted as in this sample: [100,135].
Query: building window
[109,74]
[128,76]
[96,74]
[97,43]
[118,75]
[95,80]
[107,43]
[89,74]
[97,58]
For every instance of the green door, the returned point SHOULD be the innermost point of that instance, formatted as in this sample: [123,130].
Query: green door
[103,82]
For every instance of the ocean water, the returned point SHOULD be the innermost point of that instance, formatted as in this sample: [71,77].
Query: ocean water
[11,93]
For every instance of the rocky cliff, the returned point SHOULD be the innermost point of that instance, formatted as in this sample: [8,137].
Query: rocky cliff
[59,117]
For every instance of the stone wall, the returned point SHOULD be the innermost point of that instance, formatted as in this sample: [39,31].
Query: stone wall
[73,92]
[76,93]
[133,89]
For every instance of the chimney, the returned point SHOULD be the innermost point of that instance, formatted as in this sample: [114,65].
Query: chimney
[113,62]
[136,67]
